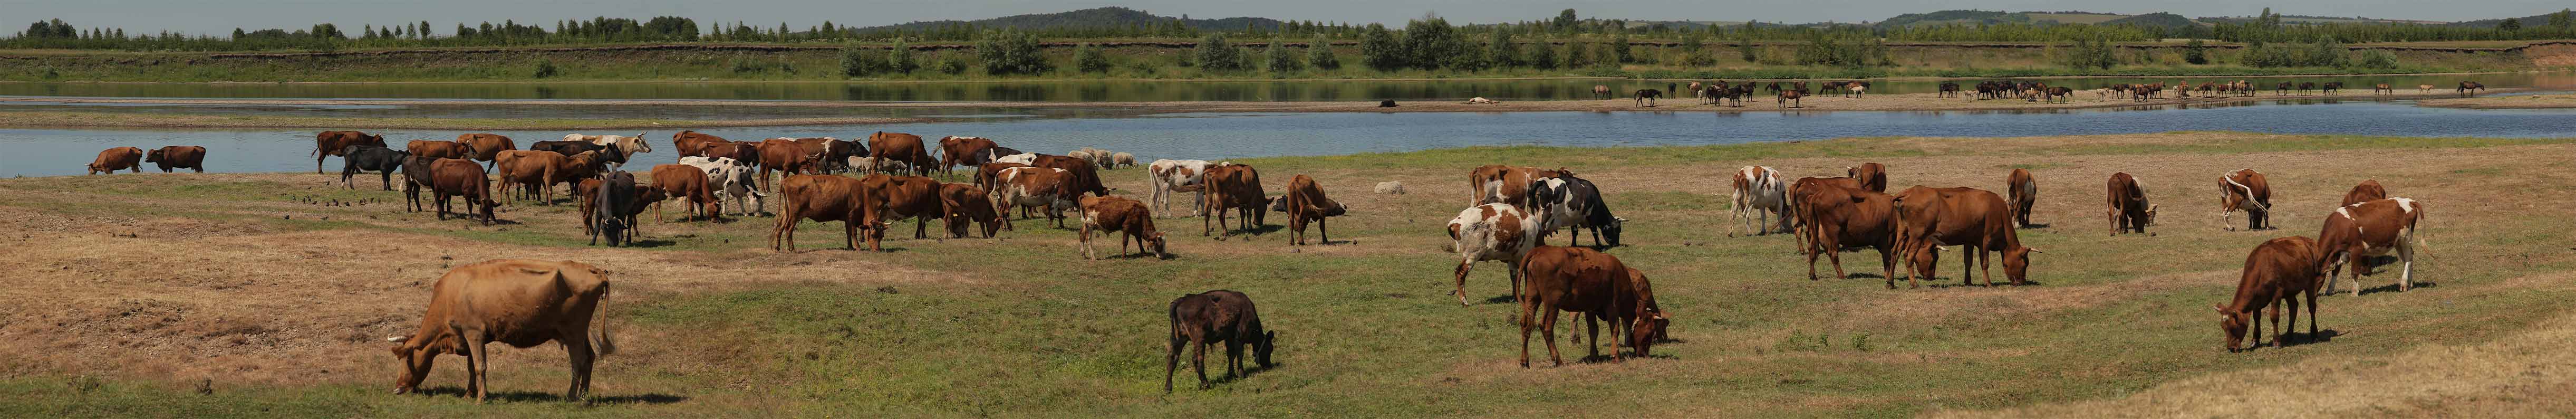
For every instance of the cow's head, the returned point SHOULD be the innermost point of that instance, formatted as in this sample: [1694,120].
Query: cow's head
[1279,203]
[1261,347]
[1155,240]
[2150,218]
[1651,327]
[1334,208]
[416,357]
[2232,324]
[1610,232]
[152,156]
[2017,264]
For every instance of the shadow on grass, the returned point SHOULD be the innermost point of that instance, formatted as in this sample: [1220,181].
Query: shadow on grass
[523,396]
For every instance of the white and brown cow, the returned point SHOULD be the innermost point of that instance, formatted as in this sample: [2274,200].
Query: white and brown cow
[1036,187]
[1168,176]
[2355,233]
[2248,190]
[626,146]
[1497,232]
[1760,195]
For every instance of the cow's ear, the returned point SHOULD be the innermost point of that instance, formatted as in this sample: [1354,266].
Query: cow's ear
[398,339]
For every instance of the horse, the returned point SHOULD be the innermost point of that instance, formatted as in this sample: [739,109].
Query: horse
[1949,89]
[1646,97]
[1775,87]
[1857,90]
[1600,92]
[2382,89]
[2423,88]
[2470,88]
[2306,86]
[2282,89]
[2330,88]
[1793,95]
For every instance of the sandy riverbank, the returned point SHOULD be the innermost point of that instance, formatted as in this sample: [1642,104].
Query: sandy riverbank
[162,120]
[2548,101]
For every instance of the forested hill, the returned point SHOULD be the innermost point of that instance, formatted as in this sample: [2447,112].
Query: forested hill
[1105,17]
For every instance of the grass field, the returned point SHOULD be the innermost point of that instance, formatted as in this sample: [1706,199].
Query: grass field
[266,294]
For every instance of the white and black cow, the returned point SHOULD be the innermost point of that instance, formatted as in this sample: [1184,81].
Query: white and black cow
[732,180]
[1574,203]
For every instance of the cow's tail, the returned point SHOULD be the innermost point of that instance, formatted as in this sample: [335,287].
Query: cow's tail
[2230,178]
[604,344]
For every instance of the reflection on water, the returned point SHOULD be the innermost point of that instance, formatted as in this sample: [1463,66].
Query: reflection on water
[1233,135]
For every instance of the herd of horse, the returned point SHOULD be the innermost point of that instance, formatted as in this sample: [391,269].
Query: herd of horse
[1788,94]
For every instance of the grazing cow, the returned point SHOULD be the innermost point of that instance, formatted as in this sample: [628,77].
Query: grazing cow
[436,148]
[2021,191]
[686,182]
[1872,176]
[900,147]
[1119,214]
[1595,284]
[827,154]
[2276,273]
[417,176]
[125,158]
[178,157]
[1304,201]
[1792,96]
[2355,233]
[1028,187]
[522,303]
[1211,317]
[2382,89]
[1574,204]
[731,180]
[1167,176]
[1759,195]
[746,153]
[1499,183]
[2245,189]
[358,158]
[784,156]
[624,146]
[581,166]
[1086,179]
[535,170]
[1232,187]
[894,198]
[1839,218]
[461,178]
[2368,190]
[967,203]
[961,151]
[1496,232]
[483,147]
[692,143]
[1646,97]
[331,143]
[610,205]
[822,198]
[1796,196]
[2129,210]
[1600,92]
[1975,220]
[2470,88]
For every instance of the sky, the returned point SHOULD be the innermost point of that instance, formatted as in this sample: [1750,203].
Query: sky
[221,16]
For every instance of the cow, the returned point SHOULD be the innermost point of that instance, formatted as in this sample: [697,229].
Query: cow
[436,148]
[686,182]
[746,153]
[1118,214]
[566,148]
[1872,176]
[894,198]
[731,180]
[2129,210]
[331,143]
[2368,190]
[417,176]
[692,143]
[2355,233]
[177,157]
[2245,189]
[1508,184]
[1086,179]
[532,169]
[996,154]
[960,151]
[827,154]
[461,178]
[1496,232]
[624,146]
[482,147]
[1595,284]
[2021,191]
[1021,158]
[124,158]
[611,206]
[1122,159]
[1167,176]
[583,166]
[900,147]
[2276,273]
[988,175]
[1303,202]
[358,158]
[522,303]
[1232,187]
[1761,193]
[1574,204]
[1976,220]
[784,156]
[967,203]
[1839,218]
[1037,187]
[822,198]
[1207,318]
[1797,196]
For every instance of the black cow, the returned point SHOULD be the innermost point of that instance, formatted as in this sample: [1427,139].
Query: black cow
[367,157]
[614,197]
[990,155]
[1574,203]
[1216,316]
[417,177]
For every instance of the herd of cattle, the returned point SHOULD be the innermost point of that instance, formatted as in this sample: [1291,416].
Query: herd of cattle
[1789,94]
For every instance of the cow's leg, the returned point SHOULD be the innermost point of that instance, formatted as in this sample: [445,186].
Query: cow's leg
[2282,337]
[577,347]
[1547,330]
[1198,361]
[1527,311]
[1325,235]
[2406,260]
[1887,266]
[921,227]
[1461,292]
[1233,358]
[1834,252]
[1985,264]
[1172,359]
[1810,250]
[1592,339]
[2311,293]
[2114,216]
[481,362]
[2358,263]
[1084,237]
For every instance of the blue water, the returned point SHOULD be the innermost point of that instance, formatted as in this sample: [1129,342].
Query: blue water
[47,152]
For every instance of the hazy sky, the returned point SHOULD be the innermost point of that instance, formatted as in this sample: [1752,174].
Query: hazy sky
[221,16]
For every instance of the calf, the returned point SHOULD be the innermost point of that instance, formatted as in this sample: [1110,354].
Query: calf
[899,197]
[2245,189]
[1872,176]
[1976,220]
[1575,204]
[1232,187]
[1305,202]
[1839,218]
[1760,192]
[2355,233]
[1207,318]
[1167,176]
[1037,187]
[1496,232]
[125,158]
[1580,280]
[967,203]
[686,182]
[522,303]
[436,148]
[461,178]
[2021,191]
[417,176]
[178,157]
[822,198]
[2129,210]
[332,143]
[1119,214]
[2368,190]
[359,158]
[900,147]
[731,180]
[2275,274]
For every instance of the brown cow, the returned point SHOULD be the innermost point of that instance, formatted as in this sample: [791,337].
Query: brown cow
[967,203]
[1506,184]
[178,157]
[120,158]
[1028,187]
[1840,218]
[523,303]
[1975,220]
[1582,280]
[1120,214]
[687,182]
[1793,216]
[899,147]
[329,143]
[783,155]
[534,170]
[483,147]
[1306,202]
[2021,190]
[2368,190]
[960,151]
[2247,190]
[436,148]
[1232,187]
[748,153]
[2129,210]
[2355,233]
[1086,178]
[1216,316]
[900,197]
[461,178]
[1872,176]
[584,165]
[693,143]
[2275,274]
[988,176]
[822,198]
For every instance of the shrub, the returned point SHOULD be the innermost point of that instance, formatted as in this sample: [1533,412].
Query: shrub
[1215,54]
[954,65]
[1088,59]
[1280,60]
[2195,52]
[899,58]
[1379,49]
[1542,56]
[1011,52]
[1320,55]
[2377,59]
[855,62]
[545,68]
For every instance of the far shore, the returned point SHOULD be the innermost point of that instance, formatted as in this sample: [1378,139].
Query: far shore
[1281,80]
[2539,101]
[51,119]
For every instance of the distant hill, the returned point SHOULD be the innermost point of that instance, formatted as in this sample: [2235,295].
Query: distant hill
[2158,20]
[1090,18]
[2527,21]
[1976,17]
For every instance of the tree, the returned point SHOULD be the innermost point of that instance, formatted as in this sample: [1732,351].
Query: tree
[1579,55]
[1011,52]
[1088,59]
[2510,25]
[2563,20]
[2195,52]
[1380,50]
[1695,51]
[1744,44]
[1281,61]
[1430,42]
[1542,56]
[1320,54]
[1619,47]
[1501,52]
[1565,20]
[1215,54]
[857,62]
[899,58]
